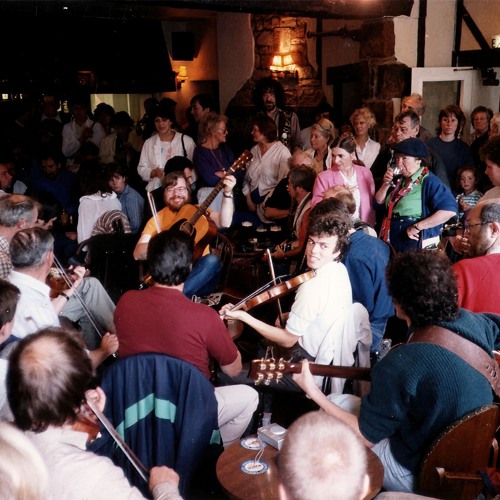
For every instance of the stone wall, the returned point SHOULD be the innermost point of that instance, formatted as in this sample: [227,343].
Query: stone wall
[273,35]
[381,78]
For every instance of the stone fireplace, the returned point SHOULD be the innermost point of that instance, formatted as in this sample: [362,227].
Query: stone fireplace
[373,81]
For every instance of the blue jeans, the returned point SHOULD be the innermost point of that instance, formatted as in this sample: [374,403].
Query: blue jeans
[204,277]
[399,238]
[396,477]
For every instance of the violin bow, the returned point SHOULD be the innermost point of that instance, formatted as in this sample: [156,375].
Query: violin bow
[273,277]
[132,457]
[69,283]
[152,206]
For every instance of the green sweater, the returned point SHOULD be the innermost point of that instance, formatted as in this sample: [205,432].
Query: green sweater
[418,389]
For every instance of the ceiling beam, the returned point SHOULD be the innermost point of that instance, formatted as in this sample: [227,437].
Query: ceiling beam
[162,9]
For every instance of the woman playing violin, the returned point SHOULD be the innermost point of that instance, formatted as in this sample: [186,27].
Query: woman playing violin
[319,302]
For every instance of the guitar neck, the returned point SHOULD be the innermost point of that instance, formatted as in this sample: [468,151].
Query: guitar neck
[201,210]
[266,369]
[334,371]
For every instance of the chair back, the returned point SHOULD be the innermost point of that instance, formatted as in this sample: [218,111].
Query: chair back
[450,469]
[111,222]
[165,410]
[110,259]
[222,247]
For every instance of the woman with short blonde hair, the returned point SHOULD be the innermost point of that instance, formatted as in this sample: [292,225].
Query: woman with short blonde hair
[363,120]
[323,133]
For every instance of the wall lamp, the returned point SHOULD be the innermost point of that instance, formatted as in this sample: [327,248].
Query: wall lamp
[181,76]
[283,65]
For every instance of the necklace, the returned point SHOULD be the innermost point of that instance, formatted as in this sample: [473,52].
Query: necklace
[222,167]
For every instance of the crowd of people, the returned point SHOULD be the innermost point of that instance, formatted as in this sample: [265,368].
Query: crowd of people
[395,238]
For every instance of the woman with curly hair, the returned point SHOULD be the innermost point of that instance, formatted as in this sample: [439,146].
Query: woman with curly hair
[363,120]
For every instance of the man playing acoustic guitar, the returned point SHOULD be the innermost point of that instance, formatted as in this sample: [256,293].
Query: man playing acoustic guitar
[206,269]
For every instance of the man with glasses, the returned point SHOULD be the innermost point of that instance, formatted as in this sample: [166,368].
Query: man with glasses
[406,125]
[478,275]
[177,193]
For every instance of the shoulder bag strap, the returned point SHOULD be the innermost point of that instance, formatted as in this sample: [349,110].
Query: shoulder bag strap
[183,147]
[470,352]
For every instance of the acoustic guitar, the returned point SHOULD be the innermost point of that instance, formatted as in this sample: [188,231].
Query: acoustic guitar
[194,220]
[266,370]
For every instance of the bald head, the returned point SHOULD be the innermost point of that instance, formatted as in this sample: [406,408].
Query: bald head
[48,375]
[300,158]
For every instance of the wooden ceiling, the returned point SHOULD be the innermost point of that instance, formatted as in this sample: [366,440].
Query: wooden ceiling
[188,9]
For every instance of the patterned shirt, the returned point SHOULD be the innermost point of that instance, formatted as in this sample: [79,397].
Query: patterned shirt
[5,262]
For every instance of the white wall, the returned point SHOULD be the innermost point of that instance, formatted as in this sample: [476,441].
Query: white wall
[405,31]
[235,47]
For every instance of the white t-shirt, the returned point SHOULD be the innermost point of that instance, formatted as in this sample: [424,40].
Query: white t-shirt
[319,303]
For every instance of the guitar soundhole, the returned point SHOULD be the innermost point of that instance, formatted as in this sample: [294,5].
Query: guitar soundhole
[187,228]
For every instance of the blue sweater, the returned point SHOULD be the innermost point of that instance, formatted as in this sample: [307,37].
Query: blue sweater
[366,258]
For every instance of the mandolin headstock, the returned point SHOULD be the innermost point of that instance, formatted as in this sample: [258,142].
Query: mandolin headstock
[266,370]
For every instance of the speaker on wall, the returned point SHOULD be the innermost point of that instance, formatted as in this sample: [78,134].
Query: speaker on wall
[182,45]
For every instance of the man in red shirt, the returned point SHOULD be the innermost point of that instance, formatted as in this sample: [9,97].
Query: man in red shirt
[161,319]
[478,276]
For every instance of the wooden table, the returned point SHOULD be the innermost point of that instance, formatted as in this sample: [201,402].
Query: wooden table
[239,485]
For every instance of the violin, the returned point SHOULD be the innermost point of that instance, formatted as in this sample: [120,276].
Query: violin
[87,422]
[58,282]
[273,292]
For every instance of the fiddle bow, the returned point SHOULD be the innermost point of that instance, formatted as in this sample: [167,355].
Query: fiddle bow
[69,284]
[132,457]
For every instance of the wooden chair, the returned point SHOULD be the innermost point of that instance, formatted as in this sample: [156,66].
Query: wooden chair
[451,468]
[223,248]
[109,257]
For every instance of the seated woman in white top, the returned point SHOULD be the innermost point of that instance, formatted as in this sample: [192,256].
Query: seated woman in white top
[97,199]
[269,163]
[367,149]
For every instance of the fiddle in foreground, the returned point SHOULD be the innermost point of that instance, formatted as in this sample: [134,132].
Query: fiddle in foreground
[320,303]
[49,376]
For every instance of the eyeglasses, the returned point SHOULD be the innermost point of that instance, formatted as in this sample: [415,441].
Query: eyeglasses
[467,226]
[180,189]
[223,130]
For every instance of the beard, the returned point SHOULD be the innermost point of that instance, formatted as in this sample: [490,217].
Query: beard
[270,106]
[175,204]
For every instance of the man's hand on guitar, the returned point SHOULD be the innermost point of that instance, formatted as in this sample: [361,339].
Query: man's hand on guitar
[229,183]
